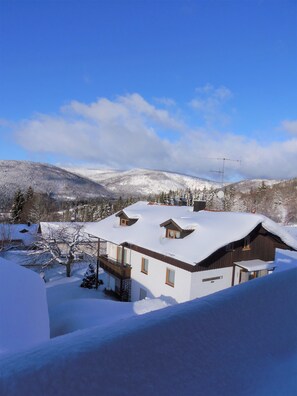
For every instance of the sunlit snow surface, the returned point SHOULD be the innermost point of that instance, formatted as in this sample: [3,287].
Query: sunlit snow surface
[241,341]
[24,320]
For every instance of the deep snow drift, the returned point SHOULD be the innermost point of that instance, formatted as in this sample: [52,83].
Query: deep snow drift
[23,308]
[240,341]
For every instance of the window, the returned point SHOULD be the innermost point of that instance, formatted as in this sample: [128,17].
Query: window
[246,243]
[174,234]
[144,265]
[120,253]
[170,275]
[124,222]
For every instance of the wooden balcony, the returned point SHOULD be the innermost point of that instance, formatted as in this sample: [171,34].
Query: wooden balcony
[114,267]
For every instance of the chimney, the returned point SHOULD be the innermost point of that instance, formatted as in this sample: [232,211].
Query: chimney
[199,205]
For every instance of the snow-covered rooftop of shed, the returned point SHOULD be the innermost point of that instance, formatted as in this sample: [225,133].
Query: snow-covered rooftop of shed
[55,229]
[213,230]
[256,265]
[24,232]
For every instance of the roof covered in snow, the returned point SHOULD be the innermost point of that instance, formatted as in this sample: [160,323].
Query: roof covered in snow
[212,230]
[18,232]
[58,229]
[256,265]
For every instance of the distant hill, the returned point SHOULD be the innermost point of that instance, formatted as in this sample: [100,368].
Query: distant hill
[245,186]
[143,182]
[45,178]
[275,199]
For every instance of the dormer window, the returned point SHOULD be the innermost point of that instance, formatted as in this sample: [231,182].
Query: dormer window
[124,222]
[126,219]
[175,231]
[173,234]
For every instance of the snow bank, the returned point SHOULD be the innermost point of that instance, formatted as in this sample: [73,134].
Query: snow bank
[241,341]
[85,313]
[23,308]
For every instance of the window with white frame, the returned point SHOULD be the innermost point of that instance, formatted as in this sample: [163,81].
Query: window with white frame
[170,277]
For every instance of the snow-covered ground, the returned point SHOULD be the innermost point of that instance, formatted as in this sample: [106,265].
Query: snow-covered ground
[24,318]
[72,307]
[240,341]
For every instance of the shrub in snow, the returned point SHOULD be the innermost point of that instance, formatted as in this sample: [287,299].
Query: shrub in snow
[89,280]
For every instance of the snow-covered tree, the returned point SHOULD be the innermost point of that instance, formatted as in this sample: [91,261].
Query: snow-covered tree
[17,206]
[89,280]
[65,244]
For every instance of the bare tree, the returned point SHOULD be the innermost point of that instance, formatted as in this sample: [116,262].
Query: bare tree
[63,243]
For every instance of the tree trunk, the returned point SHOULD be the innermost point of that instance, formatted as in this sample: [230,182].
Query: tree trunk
[68,268]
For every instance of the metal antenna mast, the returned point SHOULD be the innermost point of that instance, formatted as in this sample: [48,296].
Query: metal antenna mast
[222,172]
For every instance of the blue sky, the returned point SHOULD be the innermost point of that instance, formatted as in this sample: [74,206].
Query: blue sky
[156,84]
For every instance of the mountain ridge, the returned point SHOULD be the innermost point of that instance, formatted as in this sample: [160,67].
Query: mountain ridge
[45,178]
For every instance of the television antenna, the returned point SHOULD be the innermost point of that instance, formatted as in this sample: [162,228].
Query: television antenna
[222,171]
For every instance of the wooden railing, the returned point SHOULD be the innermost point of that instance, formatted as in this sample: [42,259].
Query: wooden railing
[115,268]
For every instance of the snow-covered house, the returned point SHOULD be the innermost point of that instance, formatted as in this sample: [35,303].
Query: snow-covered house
[17,235]
[154,250]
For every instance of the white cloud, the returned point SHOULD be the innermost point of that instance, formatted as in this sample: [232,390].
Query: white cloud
[128,132]
[210,103]
[165,101]
[289,126]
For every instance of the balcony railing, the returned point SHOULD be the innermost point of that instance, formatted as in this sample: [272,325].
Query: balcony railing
[121,271]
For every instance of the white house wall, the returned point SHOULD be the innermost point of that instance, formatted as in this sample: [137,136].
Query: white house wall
[154,283]
[202,284]
[111,250]
[187,285]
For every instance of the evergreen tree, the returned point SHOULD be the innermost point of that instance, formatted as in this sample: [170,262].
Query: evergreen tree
[17,206]
[29,198]
[89,280]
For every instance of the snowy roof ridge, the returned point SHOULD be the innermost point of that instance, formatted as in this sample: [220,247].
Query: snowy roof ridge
[213,230]
[275,229]
[130,215]
[186,223]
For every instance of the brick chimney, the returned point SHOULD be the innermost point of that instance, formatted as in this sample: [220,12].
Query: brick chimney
[199,205]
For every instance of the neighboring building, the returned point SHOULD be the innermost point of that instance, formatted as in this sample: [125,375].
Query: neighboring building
[155,250]
[17,235]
